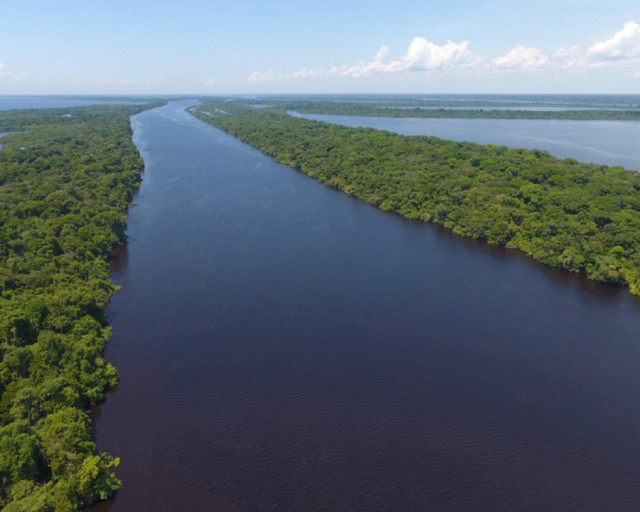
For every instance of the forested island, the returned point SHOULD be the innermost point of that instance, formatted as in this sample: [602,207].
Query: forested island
[575,216]
[473,112]
[67,178]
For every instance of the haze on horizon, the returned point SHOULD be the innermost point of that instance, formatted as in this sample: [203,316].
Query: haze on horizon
[287,46]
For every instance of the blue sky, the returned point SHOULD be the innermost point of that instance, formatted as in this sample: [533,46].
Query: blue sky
[330,46]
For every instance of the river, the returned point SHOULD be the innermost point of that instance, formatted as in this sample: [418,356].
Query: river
[284,347]
[601,142]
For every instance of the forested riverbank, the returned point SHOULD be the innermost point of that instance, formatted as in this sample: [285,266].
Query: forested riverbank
[67,179]
[579,217]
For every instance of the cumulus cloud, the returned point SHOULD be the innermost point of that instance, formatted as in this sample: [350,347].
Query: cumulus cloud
[10,74]
[522,58]
[422,55]
[116,81]
[307,73]
[569,58]
[128,83]
[259,77]
[425,55]
[622,49]
[377,65]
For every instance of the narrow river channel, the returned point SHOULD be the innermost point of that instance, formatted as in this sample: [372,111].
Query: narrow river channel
[283,347]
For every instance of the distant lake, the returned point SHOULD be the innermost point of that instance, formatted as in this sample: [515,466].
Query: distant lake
[602,142]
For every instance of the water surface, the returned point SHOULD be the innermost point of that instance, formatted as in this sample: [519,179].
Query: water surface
[284,347]
[601,142]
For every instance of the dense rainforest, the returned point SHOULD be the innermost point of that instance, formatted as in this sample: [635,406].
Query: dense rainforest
[474,112]
[66,180]
[580,217]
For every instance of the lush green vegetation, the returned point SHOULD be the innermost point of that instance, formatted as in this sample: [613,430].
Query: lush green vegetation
[66,181]
[580,217]
[368,109]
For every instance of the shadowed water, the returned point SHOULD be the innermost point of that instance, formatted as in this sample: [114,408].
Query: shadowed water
[284,347]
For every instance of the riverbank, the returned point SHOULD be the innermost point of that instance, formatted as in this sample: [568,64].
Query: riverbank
[578,217]
[67,181]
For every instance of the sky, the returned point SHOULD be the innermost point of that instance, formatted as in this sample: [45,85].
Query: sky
[321,46]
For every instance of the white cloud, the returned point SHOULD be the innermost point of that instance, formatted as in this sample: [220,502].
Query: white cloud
[621,50]
[422,55]
[128,83]
[12,75]
[569,58]
[258,77]
[210,82]
[375,66]
[306,73]
[521,58]
[425,55]
[261,77]
[382,53]
[116,81]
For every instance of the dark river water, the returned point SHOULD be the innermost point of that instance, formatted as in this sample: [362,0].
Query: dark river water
[600,142]
[283,347]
